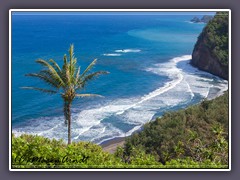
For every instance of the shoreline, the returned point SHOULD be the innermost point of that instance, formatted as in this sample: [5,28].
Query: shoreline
[112,144]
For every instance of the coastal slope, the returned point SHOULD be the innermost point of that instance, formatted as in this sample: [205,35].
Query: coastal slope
[211,49]
[199,132]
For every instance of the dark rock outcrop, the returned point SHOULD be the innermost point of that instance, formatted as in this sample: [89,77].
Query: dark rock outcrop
[195,20]
[204,60]
[204,19]
[211,49]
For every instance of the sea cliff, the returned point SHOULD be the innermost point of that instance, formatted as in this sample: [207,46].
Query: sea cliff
[211,49]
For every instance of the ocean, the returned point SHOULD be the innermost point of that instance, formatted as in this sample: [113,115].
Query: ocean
[148,57]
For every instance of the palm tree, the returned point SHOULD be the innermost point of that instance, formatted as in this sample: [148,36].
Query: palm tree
[66,81]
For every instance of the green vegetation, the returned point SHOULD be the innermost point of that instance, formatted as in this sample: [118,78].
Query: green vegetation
[66,81]
[215,35]
[199,132]
[30,151]
[196,137]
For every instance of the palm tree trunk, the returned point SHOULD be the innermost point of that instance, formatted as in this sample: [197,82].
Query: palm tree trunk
[67,116]
[65,112]
[69,121]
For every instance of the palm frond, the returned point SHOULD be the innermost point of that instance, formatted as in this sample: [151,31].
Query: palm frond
[89,68]
[87,95]
[64,68]
[77,75]
[71,53]
[82,82]
[65,59]
[72,70]
[72,62]
[55,65]
[68,77]
[68,70]
[41,89]
[46,77]
[51,69]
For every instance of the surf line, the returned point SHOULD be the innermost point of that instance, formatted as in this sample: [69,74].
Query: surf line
[168,86]
[165,88]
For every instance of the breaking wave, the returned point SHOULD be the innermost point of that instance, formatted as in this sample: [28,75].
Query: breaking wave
[127,50]
[112,54]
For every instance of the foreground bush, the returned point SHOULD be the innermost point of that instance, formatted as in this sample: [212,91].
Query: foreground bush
[30,151]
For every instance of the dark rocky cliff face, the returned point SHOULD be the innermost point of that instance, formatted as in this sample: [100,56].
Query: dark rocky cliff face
[211,50]
[204,60]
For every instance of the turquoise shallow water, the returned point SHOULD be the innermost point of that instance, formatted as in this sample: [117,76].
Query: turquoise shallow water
[148,59]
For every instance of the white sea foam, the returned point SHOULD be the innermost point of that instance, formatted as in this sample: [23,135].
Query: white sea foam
[48,127]
[120,51]
[198,82]
[185,82]
[189,89]
[112,54]
[195,22]
[138,116]
[127,50]
[189,22]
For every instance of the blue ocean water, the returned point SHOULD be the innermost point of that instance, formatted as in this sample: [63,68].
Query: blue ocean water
[148,59]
